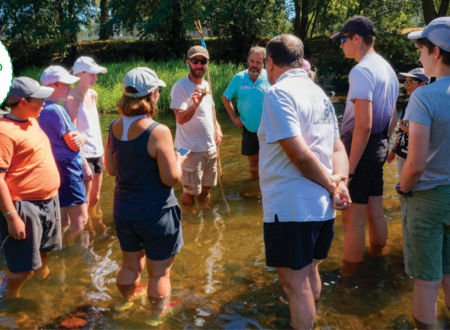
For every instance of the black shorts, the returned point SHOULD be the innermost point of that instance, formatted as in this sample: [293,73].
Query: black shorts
[250,143]
[43,234]
[368,177]
[295,244]
[96,164]
[161,237]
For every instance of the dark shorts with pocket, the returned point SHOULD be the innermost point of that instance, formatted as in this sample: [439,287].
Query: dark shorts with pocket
[43,234]
[295,244]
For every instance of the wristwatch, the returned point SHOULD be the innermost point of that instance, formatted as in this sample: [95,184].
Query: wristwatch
[400,192]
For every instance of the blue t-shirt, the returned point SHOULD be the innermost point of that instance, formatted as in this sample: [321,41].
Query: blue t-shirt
[249,97]
[429,105]
[54,125]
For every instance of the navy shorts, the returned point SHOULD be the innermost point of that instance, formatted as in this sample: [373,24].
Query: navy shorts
[295,244]
[72,190]
[96,164]
[43,234]
[368,177]
[161,236]
[250,143]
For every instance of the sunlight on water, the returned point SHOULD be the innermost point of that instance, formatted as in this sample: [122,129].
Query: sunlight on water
[219,277]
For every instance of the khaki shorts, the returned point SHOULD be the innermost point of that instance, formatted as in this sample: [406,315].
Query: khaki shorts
[199,169]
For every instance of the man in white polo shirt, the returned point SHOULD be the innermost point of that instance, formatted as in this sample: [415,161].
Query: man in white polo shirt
[303,168]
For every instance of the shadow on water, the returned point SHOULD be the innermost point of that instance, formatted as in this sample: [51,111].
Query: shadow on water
[219,277]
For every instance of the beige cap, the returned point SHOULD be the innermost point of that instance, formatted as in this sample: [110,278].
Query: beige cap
[197,51]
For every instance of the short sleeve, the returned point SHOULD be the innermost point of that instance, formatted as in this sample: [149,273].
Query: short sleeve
[336,127]
[230,92]
[51,120]
[6,151]
[280,116]
[179,97]
[361,84]
[417,110]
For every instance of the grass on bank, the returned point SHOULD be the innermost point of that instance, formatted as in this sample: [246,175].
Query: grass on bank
[109,86]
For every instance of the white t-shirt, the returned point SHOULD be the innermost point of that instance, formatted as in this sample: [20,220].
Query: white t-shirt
[371,79]
[295,106]
[197,134]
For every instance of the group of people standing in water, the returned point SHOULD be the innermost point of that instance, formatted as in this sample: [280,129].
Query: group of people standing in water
[52,159]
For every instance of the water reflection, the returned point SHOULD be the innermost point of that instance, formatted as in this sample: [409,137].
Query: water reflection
[219,277]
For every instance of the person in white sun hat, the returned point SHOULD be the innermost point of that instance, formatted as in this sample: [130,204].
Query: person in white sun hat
[66,143]
[82,108]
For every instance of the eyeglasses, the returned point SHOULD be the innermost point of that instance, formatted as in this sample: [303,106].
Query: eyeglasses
[203,61]
[344,39]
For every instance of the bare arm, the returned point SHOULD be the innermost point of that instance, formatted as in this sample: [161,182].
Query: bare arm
[361,132]
[109,164]
[306,162]
[231,112]
[160,146]
[71,106]
[418,144]
[393,123]
[341,196]
[16,226]
[218,133]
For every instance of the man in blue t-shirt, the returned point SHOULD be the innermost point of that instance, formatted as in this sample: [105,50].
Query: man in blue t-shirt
[248,87]
[66,143]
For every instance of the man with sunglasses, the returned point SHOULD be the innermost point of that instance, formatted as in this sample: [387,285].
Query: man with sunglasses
[197,128]
[30,223]
[248,87]
[369,120]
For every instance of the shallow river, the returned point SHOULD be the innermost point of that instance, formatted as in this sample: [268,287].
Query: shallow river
[219,277]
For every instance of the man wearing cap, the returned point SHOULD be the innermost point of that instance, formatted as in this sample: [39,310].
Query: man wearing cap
[197,128]
[303,169]
[66,143]
[424,186]
[30,223]
[413,80]
[248,87]
[369,120]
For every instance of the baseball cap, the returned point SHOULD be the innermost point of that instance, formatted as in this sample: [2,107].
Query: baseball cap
[438,32]
[144,80]
[56,73]
[23,87]
[417,73]
[86,63]
[198,51]
[359,25]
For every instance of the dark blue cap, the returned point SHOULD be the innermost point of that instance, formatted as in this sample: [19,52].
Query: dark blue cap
[358,25]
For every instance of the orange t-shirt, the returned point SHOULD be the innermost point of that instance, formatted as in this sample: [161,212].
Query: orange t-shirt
[26,156]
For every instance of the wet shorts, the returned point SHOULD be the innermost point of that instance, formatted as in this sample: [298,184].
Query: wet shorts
[160,236]
[250,143]
[72,190]
[426,233]
[199,169]
[43,234]
[295,244]
[96,164]
[368,177]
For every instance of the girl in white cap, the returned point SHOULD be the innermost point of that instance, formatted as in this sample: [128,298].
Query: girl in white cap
[82,108]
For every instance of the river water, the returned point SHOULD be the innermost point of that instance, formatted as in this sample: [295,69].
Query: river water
[219,277]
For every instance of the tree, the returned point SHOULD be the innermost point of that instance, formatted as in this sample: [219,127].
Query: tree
[430,12]
[105,29]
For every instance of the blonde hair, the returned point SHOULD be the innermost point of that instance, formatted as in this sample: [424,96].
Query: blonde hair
[132,106]
[257,50]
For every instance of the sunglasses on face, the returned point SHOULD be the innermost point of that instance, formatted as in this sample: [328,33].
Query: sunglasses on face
[344,39]
[203,61]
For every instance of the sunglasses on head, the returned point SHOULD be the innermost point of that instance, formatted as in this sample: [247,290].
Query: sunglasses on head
[344,39]
[203,61]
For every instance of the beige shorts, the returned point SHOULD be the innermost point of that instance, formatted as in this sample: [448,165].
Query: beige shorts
[199,169]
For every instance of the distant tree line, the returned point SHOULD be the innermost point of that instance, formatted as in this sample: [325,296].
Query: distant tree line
[54,24]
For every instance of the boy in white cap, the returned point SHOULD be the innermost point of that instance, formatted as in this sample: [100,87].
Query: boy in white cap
[66,143]
[413,80]
[424,186]
[82,108]
[30,224]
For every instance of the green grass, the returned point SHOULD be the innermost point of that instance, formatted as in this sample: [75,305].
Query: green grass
[109,85]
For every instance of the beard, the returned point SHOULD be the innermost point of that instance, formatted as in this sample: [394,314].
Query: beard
[254,71]
[197,73]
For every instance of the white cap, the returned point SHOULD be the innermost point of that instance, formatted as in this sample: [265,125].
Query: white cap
[56,73]
[86,63]
[144,80]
